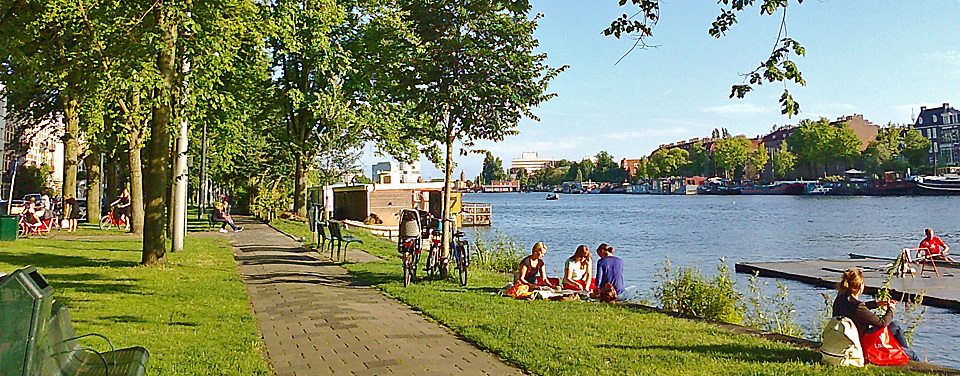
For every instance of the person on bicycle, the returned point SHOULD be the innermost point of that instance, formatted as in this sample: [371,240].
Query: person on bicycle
[33,212]
[122,206]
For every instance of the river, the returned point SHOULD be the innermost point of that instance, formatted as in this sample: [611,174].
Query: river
[700,230]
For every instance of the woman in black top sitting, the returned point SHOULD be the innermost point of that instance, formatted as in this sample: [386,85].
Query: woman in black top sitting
[848,305]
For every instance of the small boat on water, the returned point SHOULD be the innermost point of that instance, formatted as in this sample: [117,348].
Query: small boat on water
[553,196]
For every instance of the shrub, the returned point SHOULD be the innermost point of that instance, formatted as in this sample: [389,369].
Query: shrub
[775,314]
[499,254]
[686,291]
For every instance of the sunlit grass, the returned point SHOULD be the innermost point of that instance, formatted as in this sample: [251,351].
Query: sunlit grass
[192,314]
[583,338]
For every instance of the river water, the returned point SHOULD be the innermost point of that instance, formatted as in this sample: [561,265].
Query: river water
[699,230]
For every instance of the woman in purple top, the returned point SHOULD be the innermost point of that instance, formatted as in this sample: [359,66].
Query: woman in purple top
[609,269]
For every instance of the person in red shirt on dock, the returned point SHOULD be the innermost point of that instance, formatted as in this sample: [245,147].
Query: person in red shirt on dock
[933,247]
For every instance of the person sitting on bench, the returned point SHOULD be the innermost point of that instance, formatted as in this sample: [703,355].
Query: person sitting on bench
[220,215]
[934,247]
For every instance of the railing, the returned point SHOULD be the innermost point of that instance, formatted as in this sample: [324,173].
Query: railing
[475,214]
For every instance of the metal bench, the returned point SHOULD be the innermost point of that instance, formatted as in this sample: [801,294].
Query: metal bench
[343,241]
[38,339]
[66,357]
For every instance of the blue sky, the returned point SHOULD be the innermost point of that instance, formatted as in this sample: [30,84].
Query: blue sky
[883,59]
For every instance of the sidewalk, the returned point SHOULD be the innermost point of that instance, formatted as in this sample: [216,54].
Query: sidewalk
[317,319]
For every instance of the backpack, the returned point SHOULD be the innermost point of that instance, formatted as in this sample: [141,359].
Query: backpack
[841,343]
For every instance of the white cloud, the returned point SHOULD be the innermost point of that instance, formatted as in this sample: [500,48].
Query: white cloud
[736,110]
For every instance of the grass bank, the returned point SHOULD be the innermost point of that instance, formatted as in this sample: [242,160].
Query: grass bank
[191,314]
[583,338]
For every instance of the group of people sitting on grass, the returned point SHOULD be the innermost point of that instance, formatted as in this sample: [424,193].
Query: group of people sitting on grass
[606,284]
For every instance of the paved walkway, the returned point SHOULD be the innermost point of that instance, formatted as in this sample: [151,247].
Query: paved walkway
[318,320]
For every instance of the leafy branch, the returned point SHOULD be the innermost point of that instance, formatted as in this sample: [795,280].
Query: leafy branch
[778,67]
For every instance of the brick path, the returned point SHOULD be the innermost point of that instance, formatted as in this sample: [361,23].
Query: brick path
[318,320]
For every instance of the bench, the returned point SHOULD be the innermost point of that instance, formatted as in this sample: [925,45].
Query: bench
[336,233]
[64,356]
[37,336]
[212,218]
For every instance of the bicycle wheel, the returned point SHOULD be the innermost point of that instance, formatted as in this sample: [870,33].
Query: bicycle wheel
[40,233]
[433,261]
[106,222]
[463,262]
[407,274]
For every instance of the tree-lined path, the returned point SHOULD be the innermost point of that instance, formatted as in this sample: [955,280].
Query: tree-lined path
[317,319]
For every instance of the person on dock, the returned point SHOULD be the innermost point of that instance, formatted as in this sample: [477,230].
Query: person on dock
[847,304]
[609,270]
[934,247]
[578,270]
[533,271]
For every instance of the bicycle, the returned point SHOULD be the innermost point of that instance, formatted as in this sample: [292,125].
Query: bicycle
[40,229]
[409,243]
[459,248]
[110,219]
[461,254]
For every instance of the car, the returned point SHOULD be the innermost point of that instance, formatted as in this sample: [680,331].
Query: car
[17,207]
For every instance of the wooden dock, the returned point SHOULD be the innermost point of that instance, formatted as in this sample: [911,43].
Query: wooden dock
[939,291]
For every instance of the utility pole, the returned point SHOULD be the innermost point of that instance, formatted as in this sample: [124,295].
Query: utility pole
[180,170]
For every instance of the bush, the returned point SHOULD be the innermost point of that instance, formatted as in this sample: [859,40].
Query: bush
[499,254]
[687,292]
[775,314]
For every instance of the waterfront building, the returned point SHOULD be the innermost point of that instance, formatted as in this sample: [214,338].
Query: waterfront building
[941,126]
[630,165]
[864,129]
[393,172]
[499,186]
[529,163]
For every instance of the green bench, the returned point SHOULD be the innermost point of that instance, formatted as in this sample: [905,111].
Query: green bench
[343,241]
[37,336]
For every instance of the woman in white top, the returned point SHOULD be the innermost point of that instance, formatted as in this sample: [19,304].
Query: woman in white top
[579,273]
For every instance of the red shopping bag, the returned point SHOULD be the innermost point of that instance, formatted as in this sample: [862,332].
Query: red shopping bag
[882,349]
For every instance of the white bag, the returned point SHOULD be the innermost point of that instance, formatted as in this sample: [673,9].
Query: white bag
[841,343]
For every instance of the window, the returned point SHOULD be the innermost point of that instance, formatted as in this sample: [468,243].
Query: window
[934,118]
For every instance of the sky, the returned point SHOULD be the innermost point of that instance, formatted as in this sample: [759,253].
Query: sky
[883,59]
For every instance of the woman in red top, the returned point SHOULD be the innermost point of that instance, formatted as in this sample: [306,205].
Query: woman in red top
[934,247]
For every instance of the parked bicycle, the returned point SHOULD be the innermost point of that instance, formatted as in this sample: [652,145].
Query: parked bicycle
[113,218]
[409,243]
[459,249]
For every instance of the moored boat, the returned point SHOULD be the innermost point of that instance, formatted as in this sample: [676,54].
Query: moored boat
[777,188]
[937,185]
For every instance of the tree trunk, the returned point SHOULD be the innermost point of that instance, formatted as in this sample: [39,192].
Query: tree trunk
[135,166]
[169,192]
[71,112]
[447,226]
[94,179]
[158,146]
[112,178]
[179,212]
[299,188]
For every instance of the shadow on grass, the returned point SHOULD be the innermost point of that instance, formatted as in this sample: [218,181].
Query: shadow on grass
[54,261]
[122,319]
[741,352]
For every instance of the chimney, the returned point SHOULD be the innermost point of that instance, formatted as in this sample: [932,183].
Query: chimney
[945,105]
[923,108]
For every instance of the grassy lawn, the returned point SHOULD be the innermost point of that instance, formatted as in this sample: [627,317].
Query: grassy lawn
[191,314]
[584,338]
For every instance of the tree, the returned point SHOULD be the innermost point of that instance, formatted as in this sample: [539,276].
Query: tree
[777,68]
[783,161]
[667,162]
[818,144]
[474,75]
[492,169]
[731,154]
[757,160]
[607,170]
[895,148]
